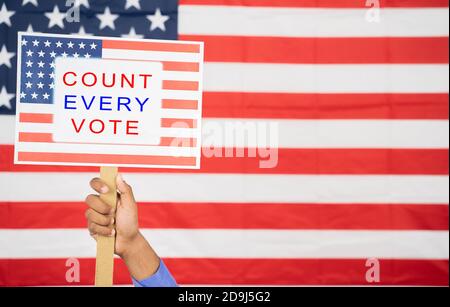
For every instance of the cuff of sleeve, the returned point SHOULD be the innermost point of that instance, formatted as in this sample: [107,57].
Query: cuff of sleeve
[162,278]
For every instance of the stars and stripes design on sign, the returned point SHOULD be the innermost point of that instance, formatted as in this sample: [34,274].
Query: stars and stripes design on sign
[178,144]
[38,63]
[362,111]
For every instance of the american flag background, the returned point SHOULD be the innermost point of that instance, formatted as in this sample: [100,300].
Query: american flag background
[360,98]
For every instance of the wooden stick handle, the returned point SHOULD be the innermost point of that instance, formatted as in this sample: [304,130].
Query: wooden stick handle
[104,266]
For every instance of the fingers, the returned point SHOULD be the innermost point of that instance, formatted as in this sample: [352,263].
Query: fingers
[99,186]
[126,192]
[106,231]
[103,220]
[95,203]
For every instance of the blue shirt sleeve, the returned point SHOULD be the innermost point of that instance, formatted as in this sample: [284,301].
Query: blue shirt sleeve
[162,278]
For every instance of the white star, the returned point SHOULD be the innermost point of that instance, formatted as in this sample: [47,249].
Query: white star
[56,18]
[46,95]
[76,55]
[82,2]
[52,64]
[5,98]
[47,43]
[87,56]
[40,85]
[28,84]
[30,53]
[5,57]
[22,95]
[70,44]
[24,42]
[58,44]
[52,75]
[81,45]
[107,19]
[40,75]
[41,64]
[93,46]
[53,54]
[81,31]
[158,20]
[132,34]
[132,3]
[51,85]
[34,95]
[64,54]
[5,15]
[29,74]
[35,43]
[34,2]
[41,54]
[30,29]
[29,63]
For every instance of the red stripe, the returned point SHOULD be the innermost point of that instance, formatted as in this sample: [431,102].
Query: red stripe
[231,216]
[169,66]
[315,50]
[36,118]
[291,161]
[178,123]
[35,137]
[180,104]
[325,106]
[319,3]
[46,272]
[180,85]
[151,46]
[102,158]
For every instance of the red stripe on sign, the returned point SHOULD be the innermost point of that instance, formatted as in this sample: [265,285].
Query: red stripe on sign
[180,85]
[102,158]
[319,3]
[35,137]
[169,66]
[36,118]
[315,50]
[179,104]
[290,161]
[231,216]
[325,106]
[178,123]
[181,66]
[151,46]
[203,271]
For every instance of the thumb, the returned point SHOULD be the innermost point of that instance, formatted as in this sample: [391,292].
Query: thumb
[126,192]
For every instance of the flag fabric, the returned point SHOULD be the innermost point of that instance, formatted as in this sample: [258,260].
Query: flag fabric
[173,141]
[360,100]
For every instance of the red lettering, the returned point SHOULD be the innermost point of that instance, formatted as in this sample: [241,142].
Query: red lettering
[65,81]
[83,79]
[102,126]
[129,127]
[78,129]
[115,122]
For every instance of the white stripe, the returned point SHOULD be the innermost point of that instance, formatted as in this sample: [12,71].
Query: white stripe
[305,22]
[299,133]
[286,244]
[325,78]
[236,188]
[151,55]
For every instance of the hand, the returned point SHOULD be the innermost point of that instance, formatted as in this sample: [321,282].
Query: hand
[123,223]
[131,246]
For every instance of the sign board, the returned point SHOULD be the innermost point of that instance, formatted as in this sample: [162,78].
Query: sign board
[86,100]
